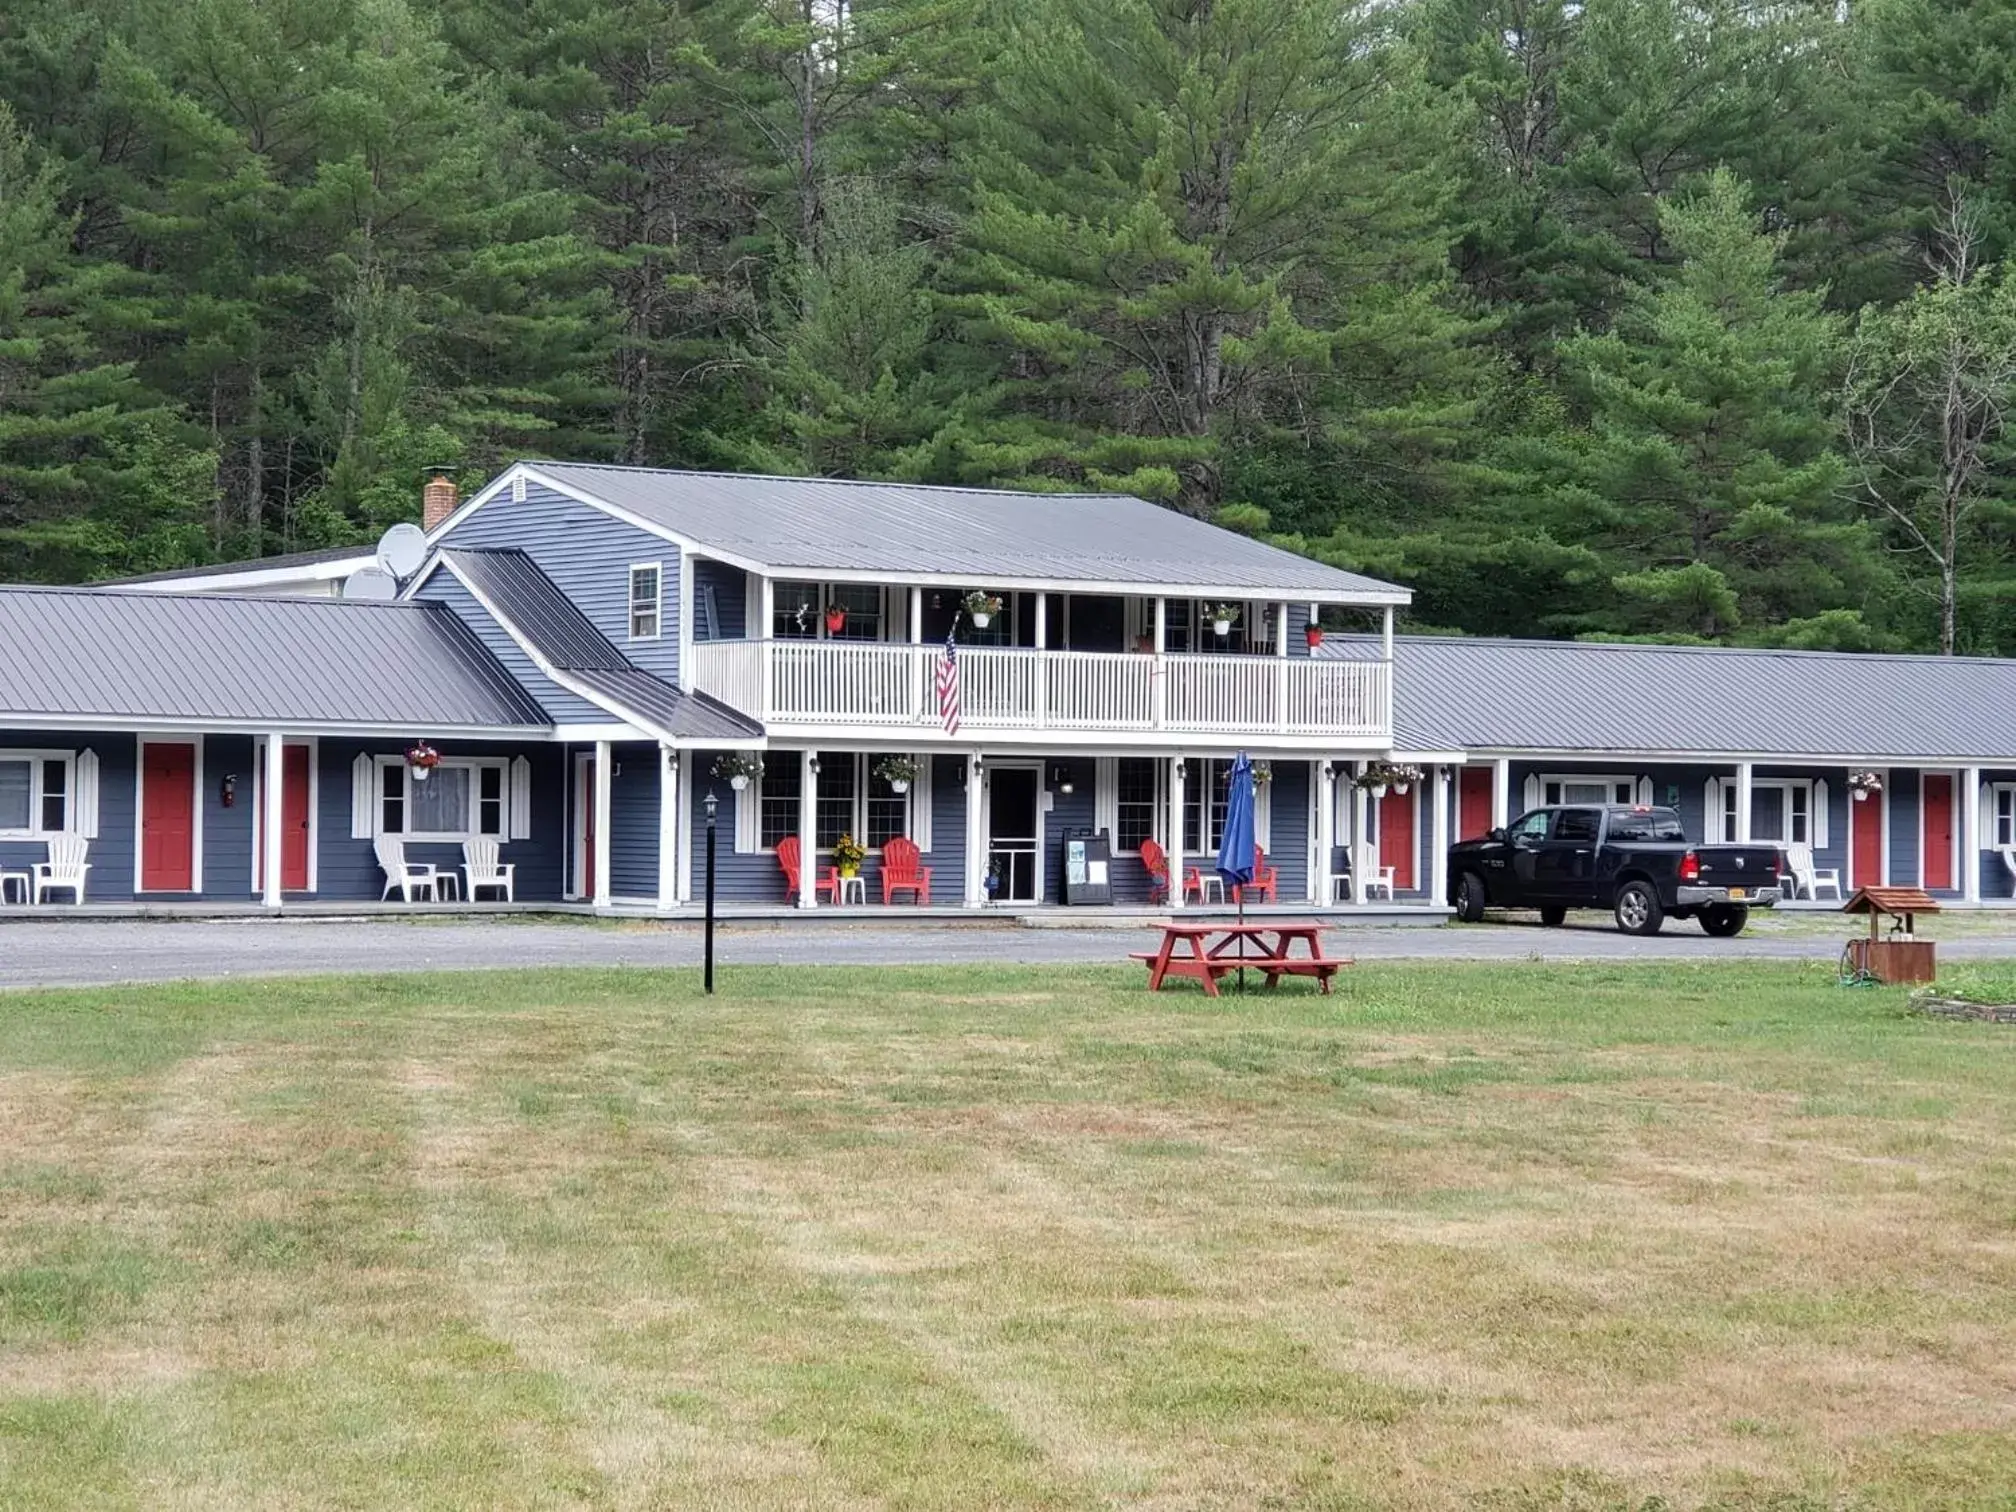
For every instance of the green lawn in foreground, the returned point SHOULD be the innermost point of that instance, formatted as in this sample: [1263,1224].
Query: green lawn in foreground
[1515,1238]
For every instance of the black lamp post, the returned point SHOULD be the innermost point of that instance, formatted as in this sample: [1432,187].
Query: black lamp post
[712,804]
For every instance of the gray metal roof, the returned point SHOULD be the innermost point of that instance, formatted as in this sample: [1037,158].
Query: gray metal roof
[100,656]
[1588,697]
[360,554]
[814,525]
[531,603]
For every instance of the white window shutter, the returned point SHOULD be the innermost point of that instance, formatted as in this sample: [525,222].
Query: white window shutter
[1263,815]
[1820,816]
[1711,812]
[920,804]
[1533,793]
[521,799]
[86,817]
[1645,791]
[361,771]
[749,817]
[1106,796]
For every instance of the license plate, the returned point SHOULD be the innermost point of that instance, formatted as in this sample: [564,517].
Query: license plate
[1736,892]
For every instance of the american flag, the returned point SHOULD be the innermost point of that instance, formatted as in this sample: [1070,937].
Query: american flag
[948,686]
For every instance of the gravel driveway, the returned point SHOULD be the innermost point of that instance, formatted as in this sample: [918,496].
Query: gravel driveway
[106,952]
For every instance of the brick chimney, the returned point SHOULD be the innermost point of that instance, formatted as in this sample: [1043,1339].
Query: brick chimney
[438,499]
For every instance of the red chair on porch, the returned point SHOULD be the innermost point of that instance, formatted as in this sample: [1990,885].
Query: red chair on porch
[1156,860]
[1266,883]
[901,873]
[787,862]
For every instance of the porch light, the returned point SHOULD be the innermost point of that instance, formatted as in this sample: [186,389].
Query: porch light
[227,790]
[710,803]
[815,766]
[1060,778]
[1182,769]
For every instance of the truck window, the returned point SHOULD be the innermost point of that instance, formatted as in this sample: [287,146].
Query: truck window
[1578,824]
[1532,826]
[1657,826]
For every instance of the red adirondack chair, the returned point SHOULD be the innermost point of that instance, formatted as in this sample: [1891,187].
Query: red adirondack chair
[1156,860]
[1266,881]
[901,873]
[787,862]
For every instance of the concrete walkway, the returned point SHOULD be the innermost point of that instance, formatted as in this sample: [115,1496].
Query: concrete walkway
[102,953]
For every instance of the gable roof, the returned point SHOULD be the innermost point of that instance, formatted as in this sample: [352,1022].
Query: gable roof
[116,658]
[532,609]
[813,526]
[1596,698]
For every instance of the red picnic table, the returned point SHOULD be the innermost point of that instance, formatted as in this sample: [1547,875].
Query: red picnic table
[1212,950]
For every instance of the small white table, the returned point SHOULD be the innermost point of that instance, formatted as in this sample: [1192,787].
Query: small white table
[447,887]
[855,887]
[1207,882]
[11,881]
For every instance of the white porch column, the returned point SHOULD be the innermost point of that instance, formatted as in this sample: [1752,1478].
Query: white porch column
[270,818]
[976,831]
[808,829]
[1363,861]
[690,771]
[1386,636]
[1323,791]
[1042,621]
[1744,772]
[1970,834]
[1161,625]
[762,633]
[916,616]
[1281,672]
[668,826]
[1439,778]
[1501,792]
[1175,845]
[1158,679]
[603,808]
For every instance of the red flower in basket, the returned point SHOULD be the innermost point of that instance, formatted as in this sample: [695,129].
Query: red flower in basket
[422,758]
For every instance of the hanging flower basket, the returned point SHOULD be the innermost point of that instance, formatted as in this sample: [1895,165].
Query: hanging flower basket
[740,768]
[898,771]
[836,618]
[1862,784]
[1263,773]
[981,607]
[1381,776]
[421,759]
[1223,617]
[1313,633]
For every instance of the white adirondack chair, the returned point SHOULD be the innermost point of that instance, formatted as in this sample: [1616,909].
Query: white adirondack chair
[2009,861]
[409,877]
[480,868]
[1807,879]
[64,870]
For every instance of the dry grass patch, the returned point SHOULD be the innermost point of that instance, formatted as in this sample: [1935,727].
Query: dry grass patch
[1517,1238]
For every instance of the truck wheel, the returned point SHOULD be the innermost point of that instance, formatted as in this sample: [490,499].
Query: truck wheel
[1723,920]
[1553,916]
[1470,898]
[1638,910]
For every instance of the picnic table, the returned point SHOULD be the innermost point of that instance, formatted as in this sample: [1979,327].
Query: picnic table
[1212,950]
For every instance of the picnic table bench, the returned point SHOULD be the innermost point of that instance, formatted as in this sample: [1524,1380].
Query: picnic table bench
[1213,950]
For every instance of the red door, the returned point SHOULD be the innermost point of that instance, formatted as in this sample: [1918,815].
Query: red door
[1865,848]
[1396,837]
[294,819]
[1938,830]
[1473,803]
[584,805]
[168,818]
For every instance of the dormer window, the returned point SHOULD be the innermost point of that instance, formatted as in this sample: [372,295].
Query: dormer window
[646,594]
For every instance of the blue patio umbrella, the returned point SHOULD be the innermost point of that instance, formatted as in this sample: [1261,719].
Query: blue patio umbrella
[1235,841]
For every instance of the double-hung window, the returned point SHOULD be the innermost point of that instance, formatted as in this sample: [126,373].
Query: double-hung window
[647,597]
[798,611]
[1138,803]
[2005,815]
[1204,800]
[461,799]
[848,799]
[35,793]
[1556,791]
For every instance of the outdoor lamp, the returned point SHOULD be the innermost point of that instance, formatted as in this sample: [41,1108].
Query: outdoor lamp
[1060,778]
[227,790]
[710,803]
[1182,769]
[815,766]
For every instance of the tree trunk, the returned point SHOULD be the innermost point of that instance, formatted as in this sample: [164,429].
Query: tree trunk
[255,461]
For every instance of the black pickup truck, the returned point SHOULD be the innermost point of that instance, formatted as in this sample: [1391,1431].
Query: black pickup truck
[1636,862]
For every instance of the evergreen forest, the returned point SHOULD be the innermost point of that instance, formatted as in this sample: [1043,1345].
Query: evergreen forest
[1598,318]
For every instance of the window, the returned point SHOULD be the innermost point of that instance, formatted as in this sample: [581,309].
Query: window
[1640,828]
[798,611]
[1557,790]
[35,791]
[1780,812]
[646,595]
[780,801]
[1140,802]
[461,799]
[847,799]
[1578,824]
[1204,827]
[2005,815]
[1532,827]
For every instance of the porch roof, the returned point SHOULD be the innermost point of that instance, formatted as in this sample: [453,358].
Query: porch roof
[1586,697]
[121,658]
[981,537]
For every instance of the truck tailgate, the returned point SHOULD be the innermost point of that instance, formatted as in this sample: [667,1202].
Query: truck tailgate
[1745,866]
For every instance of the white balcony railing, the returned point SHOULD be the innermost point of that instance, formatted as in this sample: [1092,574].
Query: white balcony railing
[867,683]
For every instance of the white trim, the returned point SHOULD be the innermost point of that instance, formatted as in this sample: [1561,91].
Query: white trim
[140,813]
[35,758]
[363,783]
[518,799]
[1501,793]
[1814,789]
[922,827]
[685,610]
[1537,783]
[1970,834]
[475,765]
[1746,774]
[670,794]
[1106,796]
[748,837]
[690,772]
[1041,868]
[84,802]
[1444,780]
[657,571]
[579,799]
[605,816]
[131,724]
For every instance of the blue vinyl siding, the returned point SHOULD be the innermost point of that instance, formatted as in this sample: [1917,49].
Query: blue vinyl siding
[1900,791]
[947,856]
[633,827]
[730,589]
[749,878]
[1072,810]
[1288,826]
[588,555]
[444,588]
[227,833]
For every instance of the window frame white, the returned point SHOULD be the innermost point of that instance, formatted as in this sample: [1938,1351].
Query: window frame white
[864,775]
[816,612]
[1616,782]
[1785,786]
[632,604]
[2001,797]
[38,793]
[475,765]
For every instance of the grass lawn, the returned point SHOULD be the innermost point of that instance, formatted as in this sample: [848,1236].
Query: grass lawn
[1524,1237]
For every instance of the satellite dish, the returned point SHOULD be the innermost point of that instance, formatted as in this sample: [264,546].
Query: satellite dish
[402,549]
[372,584]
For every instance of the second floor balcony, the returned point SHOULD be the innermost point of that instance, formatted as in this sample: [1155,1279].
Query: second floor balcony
[1020,695]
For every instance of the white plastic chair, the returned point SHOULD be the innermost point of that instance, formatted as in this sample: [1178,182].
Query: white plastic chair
[64,870]
[2009,860]
[1342,887]
[1806,878]
[408,876]
[1379,880]
[480,868]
